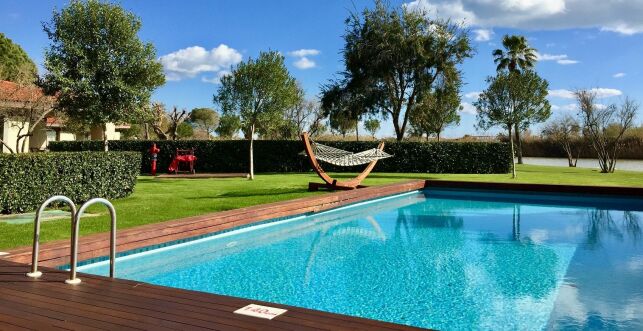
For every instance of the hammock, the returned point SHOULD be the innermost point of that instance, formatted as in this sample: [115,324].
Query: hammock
[344,158]
[336,156]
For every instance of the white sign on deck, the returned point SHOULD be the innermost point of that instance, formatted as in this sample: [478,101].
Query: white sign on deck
[260,311]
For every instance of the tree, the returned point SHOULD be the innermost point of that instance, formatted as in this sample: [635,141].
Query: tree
[566,131]
[372,125]
[512,100]
[176,118]
[100,69]
[135,131]
[605,126]
[26,106]
[15,64]
[156,117]
[229,126]
[184,131]
[317,125]
[391,55]
[342,123]
[344,108]
[304,115]
[439,108]
[259,91]
[206,119]
[517,57]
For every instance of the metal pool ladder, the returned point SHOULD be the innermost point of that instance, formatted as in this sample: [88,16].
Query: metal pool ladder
[36,232]
[75,226]
[74,239]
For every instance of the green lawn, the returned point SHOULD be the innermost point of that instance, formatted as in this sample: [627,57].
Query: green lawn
[160,200]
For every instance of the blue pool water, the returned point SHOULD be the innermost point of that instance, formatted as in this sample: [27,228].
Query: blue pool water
[445,259]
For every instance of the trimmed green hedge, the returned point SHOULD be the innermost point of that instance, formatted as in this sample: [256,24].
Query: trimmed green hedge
[27,180]
[285,155]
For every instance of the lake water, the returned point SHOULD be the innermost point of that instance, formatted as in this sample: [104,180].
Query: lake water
[632,165]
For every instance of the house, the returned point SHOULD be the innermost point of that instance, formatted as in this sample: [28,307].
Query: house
[21,105]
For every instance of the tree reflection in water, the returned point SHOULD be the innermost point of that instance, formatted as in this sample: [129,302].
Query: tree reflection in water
[601,225]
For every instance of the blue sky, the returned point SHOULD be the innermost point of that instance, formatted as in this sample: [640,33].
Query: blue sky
[582,43]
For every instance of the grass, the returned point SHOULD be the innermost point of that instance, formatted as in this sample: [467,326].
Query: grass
[161,200]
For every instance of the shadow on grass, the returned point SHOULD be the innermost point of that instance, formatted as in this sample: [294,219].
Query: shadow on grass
[255,193]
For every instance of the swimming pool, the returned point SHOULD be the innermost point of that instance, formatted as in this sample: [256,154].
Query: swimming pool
[437,258]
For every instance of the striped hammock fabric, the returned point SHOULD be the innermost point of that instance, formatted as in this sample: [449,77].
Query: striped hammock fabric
[344,158]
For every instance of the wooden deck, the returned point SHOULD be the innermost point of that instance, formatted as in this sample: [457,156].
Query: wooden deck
[100,303]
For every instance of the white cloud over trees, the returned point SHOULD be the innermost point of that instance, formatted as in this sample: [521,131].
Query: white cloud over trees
[195,60]
[619,16]
[303,55]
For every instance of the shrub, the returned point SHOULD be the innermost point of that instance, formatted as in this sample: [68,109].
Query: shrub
[27,180]
[285,155]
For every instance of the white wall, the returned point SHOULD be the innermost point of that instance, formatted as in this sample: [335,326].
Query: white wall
[39,138]
[97,132]
[10,135]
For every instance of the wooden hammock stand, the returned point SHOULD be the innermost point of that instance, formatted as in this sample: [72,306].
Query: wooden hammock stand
[329,182]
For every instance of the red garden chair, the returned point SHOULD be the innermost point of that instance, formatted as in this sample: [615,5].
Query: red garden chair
[185,157]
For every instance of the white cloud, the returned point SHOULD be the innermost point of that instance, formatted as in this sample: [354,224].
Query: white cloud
[619,75]
[622,29]
[562,59]
[483,34]
[472,95]
[192,61]
[618,16]
[304,52]
[574,107]
[468,108]
[566,62]
[562,93]
[568,107]
[453,10]
[216,79]
[606,92]
[601,92]
[305,63]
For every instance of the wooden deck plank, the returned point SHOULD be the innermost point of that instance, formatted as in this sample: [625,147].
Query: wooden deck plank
[40,321]
[173,316]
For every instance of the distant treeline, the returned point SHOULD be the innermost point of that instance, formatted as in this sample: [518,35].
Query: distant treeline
[632,148]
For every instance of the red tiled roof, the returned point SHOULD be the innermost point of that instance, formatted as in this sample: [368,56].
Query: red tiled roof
[10,91]
[54,122]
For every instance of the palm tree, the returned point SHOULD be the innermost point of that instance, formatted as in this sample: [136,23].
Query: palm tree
[516,56]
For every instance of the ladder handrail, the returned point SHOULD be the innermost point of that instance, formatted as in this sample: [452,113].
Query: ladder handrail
[74,239]
[36,232]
